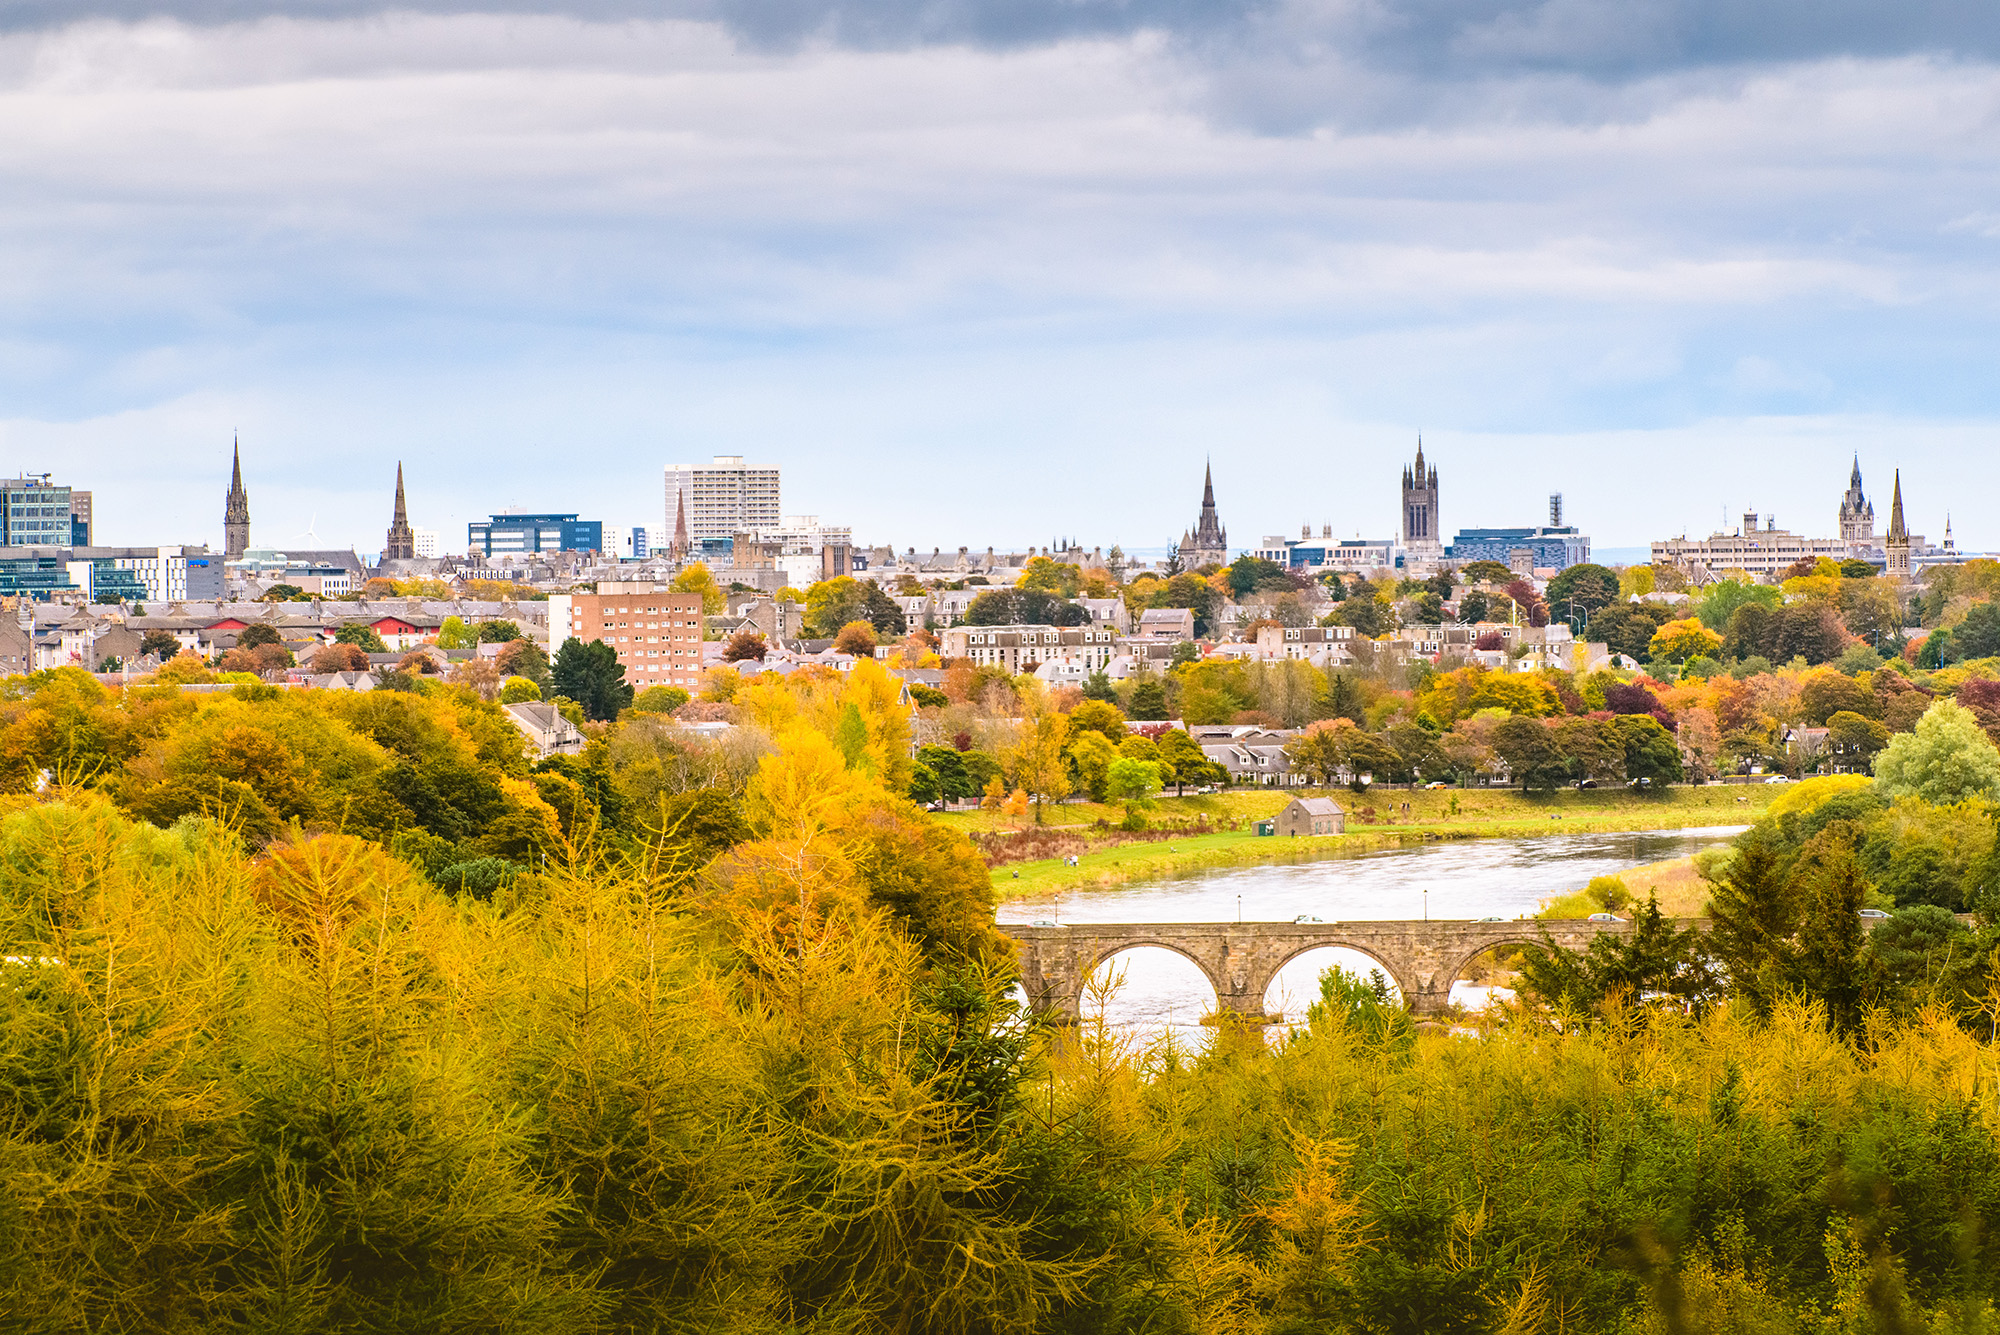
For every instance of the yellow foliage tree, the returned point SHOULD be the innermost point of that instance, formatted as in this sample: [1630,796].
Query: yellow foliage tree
[1678,641]
[697,579]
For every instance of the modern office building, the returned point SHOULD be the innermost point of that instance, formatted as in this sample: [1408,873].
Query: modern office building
[34,512]
[1548,547]
[428,544]
[130,574]
[526,534]
[79,518]
[657,635]
[722,500]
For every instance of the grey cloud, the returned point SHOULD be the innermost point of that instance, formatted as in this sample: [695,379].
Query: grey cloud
[1595,39]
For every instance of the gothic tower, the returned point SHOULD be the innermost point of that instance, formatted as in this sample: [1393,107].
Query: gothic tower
[1857,513]
[1897,545]
[681,544]
[1207,543]
[401,544]
[235,508]
[1420,509]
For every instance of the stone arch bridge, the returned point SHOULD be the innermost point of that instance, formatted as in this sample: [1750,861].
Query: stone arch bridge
[1241,958]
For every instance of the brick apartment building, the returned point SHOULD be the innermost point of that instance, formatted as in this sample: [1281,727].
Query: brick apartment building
[656,634]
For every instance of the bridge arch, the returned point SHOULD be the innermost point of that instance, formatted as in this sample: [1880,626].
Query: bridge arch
[1090,963]
[1334,942]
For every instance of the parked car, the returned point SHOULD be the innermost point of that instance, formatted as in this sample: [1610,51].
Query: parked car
[1777,778]
[1307,917]
[1604,917]
[1044,922]
[1873,913]
[1491,918]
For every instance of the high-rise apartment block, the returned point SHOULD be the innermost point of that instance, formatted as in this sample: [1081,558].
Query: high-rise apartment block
[723,500]
[656,634]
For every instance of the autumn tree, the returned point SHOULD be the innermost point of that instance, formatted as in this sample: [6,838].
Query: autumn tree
[745,644]
[1036,763]
[696,579]
[856,638]
[339,658]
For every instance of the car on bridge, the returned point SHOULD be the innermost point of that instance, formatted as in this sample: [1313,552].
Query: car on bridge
[1604,917]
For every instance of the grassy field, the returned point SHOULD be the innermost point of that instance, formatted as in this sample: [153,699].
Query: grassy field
[1375,821]
[1678,884]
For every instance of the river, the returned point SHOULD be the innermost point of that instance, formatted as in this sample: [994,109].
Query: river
[1470,878]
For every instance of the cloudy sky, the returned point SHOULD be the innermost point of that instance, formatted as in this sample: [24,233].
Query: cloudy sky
[993,271]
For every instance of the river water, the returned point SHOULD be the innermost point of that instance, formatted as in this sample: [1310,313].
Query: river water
[1470,878]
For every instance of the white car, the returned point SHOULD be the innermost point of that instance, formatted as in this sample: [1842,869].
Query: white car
[1307,917]
[1777,778]
[1604,917]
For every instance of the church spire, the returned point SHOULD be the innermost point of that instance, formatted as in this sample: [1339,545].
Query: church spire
[1897,532]
[680,526]
[235,507]
[401,544]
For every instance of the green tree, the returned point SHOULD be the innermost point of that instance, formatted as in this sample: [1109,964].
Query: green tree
[499,632]
[591,675]
[1720,601]
[1978,636]
[1855,740]
[1248,574]
[161,644]
[362,635]
[1097,686]
[1090,755]
[1133,781]
[1528,748]
[455,634]
[659,700]
[1828,883]
[1182,762]
[1947,759]
[256,635]
[1650,752]
[1578,591]
[954,782]
[518,690]
[1148,702]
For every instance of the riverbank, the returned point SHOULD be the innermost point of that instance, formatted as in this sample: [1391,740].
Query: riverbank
[1103,861]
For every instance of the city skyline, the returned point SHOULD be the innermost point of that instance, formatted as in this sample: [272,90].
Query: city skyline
[997,246]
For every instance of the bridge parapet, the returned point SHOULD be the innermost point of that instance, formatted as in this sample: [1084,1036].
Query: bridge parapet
[1422,957]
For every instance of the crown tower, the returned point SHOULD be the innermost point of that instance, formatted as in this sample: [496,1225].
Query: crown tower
[1420,509]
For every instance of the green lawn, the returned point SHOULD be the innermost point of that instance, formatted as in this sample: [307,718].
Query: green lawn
[1437,814]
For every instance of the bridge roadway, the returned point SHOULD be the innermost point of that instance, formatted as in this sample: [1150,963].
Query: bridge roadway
[1240,959]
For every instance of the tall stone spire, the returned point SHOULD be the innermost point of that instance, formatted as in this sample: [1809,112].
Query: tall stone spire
[1207,543]
[1896,549]
[681,544]
[236,507]
[401,544]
